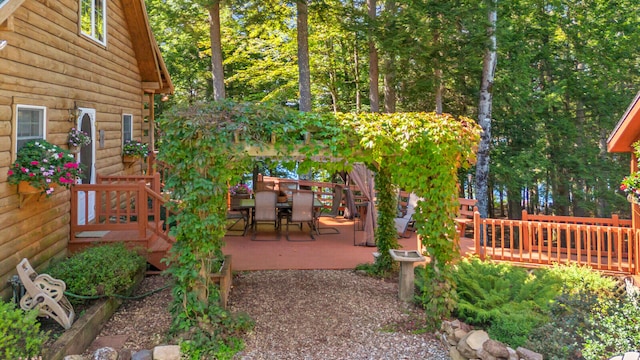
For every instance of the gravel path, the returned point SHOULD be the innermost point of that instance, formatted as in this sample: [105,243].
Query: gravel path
[328,314]
[299,314]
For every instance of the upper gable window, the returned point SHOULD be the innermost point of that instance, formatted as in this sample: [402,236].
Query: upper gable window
[31,124]
[2,2]
[93,19]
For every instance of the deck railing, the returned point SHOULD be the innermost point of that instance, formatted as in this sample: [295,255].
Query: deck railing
[595,242]
[122,203]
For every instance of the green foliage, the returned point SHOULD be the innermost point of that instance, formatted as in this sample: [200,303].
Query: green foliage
[542,308]
[615,329]
[386,234]
[422,152]
[20,334]
[507,300]
[43,164]
[560,338]
[99,270]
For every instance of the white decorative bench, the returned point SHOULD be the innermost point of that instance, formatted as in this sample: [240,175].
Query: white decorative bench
[45,294]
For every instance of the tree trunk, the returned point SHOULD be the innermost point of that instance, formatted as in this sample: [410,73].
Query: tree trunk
[216,51]
[389,69]
[303,57]
[484,113]
[374,97]
[356,74]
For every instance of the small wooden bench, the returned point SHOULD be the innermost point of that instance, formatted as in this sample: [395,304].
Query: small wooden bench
[465,214]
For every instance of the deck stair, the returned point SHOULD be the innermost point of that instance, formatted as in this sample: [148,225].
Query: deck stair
[128,209]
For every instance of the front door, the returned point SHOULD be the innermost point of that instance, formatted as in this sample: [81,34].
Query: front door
[87,157]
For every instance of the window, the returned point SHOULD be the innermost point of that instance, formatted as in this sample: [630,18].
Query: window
[30,124]
[2,2]
[93,19]
[127,128]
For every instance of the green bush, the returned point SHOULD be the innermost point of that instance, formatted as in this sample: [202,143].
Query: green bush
[518,306]
[559,339]
[20,334]
[508,301]
[615,329]
[103,270]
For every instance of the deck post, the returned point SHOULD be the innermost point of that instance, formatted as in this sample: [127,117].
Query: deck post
[478,233]
[143,214]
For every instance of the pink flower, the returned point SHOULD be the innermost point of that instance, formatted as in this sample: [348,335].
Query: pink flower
[65,180]
[34,162]
[623,187]
[32,174]
[10,172]
[71,165]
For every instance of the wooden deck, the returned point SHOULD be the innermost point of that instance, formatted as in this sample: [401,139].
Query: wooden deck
[129,209]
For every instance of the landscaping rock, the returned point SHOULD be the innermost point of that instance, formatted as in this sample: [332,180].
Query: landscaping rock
[166,352]
[496,348]
[467,344]
[142,355]
[105,353]
[526,354]
[74,357]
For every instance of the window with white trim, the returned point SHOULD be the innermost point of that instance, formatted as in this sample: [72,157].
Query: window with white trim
[127,128]
[2,2]
[30,124]
[93,19]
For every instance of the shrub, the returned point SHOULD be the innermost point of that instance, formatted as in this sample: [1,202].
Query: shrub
[20,334]
[615,329]
[99,270]
[559,339]
[507,300]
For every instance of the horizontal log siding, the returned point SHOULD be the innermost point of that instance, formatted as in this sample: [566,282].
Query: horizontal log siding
[48,63]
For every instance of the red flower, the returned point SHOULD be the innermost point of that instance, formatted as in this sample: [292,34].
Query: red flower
[623,187]
[34,162]
[10,172]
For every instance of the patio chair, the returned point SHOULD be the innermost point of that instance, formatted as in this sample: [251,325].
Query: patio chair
[233,218]
[288,187]
[302,212]
[265,185]
[404,223]
[335,208]
[265,212]
[45,294]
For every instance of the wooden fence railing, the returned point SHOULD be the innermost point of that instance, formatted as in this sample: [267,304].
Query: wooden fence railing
[609,245]
[121,203]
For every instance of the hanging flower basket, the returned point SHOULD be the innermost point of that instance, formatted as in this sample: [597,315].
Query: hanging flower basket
[74,149]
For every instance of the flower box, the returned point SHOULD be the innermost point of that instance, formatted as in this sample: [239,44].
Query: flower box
[129,159]
[40,165]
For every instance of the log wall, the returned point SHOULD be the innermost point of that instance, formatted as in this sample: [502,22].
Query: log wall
[48,63]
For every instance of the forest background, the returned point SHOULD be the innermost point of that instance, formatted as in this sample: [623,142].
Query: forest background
[566,72]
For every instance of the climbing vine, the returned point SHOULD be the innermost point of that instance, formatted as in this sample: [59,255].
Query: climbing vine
[207,146]
[422,153]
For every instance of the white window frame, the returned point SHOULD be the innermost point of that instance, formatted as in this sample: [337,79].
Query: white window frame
[43,123]
[93,34]
[127,118]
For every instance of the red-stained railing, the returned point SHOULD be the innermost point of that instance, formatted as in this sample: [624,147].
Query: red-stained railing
[609,245]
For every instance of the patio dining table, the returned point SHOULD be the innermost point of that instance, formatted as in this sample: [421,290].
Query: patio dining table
[248,205]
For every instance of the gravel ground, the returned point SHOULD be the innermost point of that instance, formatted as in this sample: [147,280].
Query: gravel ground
[298,314]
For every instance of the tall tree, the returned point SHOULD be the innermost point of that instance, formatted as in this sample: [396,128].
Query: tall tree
[374,96]
[390,8]
[484,111]
[217,70]
[304,73]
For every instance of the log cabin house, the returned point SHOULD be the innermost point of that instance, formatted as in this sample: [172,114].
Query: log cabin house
[93,65]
